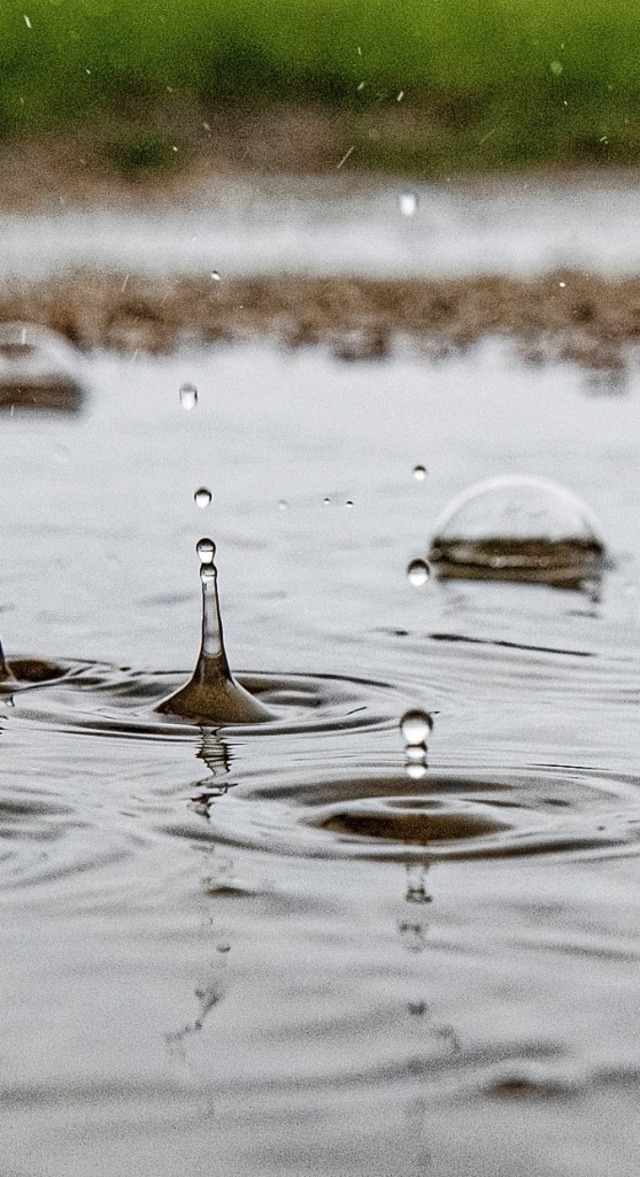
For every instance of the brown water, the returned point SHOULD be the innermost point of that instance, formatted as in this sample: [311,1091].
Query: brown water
[267,949]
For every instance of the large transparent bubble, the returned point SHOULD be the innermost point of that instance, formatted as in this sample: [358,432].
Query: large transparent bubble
[38,369]
[518,527]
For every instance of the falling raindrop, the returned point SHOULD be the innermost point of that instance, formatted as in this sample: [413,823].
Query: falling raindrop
[418,572]
[206,550]
[408,203]
[214,275]
[419,473]
[188,396]
[415,726]
[327,501]
[349,503]
[202,497]
[282,504]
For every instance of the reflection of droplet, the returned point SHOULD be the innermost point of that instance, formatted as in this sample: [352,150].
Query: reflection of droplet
[419,473]
[202,497]
[206,550]
[418,572]
[408,203]
[188,396]
[415,726]
[518,528]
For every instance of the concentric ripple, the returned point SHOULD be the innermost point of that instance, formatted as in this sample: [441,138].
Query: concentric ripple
[446,815]
[103,699]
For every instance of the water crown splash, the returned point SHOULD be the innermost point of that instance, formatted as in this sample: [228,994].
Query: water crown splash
[212,696]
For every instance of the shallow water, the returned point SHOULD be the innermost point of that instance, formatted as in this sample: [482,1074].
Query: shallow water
[348,224]
[266,949]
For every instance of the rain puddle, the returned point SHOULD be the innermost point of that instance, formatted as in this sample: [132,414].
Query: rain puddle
[359,893]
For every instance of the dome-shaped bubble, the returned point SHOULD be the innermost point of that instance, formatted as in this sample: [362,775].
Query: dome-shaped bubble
[38,369]
[518,527]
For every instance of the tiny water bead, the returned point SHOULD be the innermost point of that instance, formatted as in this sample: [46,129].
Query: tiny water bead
[518,528]
[188,396]
[206,550]
[202,497]
[418,572]
[419,473]
[408,203]
[415,726]
[214,275]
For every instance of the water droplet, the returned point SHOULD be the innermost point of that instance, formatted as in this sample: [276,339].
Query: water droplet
[349,503]
[282,504]
[416,753]
[419,473]
[408,203]
[188,396]
[518,527]
[418,572]
[214,275]
[416,772]
[207,572]
[202,497]
[327,502]
[206,550]
[415,726]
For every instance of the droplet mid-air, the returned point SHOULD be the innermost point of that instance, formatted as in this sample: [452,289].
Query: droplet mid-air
[519,528]
[188,396]
[202,497]
[418,572]
[415,726]
[408,203]
[419,473]
[212,696]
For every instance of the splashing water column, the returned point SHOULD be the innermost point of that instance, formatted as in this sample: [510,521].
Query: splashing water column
[212,696]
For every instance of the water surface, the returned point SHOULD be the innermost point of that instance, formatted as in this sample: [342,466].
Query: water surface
[222,951]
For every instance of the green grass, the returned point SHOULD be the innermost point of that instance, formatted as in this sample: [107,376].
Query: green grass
[499,82]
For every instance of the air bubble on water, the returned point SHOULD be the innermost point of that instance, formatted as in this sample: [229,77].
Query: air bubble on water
[206,550]
[188,396]
[418,572]
[415,726]
[419,473]
[202,497]
[408,203]
[518,527]
[214,275]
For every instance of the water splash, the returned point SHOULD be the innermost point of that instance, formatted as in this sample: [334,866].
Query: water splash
[212,696]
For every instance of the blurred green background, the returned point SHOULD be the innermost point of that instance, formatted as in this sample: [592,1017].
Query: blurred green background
[484,83]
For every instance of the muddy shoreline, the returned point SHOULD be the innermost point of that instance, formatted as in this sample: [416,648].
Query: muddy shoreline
[589,320]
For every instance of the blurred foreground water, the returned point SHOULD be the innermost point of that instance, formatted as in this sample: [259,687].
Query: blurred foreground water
[221,951]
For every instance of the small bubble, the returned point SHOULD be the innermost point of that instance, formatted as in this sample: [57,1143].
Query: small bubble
[418,572]
[282,504]
[188,396]
[415,726]
[214,275]
[408,203]
[206,550]
[202,497]
[419,473]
